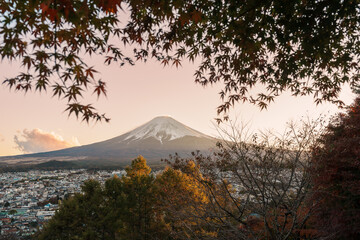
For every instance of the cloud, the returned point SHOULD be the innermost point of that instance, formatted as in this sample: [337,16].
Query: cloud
[37,140]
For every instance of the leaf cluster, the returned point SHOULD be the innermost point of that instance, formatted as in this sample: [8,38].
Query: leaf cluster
[336,175]
[305,47]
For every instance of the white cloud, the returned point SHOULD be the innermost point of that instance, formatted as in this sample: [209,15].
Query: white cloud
[37,140]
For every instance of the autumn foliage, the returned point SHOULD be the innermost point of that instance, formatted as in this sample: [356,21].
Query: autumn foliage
[138,205]
[336,176]
[304,47]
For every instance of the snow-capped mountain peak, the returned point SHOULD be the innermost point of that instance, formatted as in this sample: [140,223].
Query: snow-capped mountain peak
[163,128]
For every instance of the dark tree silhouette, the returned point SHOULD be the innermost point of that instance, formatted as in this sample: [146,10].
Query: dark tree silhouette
[336,176]
[306,47]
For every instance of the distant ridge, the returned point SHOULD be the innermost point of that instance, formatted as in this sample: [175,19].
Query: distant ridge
[154,140]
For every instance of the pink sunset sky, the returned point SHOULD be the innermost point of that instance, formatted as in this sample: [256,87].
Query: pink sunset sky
[36,122]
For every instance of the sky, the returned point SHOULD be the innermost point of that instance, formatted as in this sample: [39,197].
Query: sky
[37,122]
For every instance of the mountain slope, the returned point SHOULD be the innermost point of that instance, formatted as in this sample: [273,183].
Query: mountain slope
[154,140]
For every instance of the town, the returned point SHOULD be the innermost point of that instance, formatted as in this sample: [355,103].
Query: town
[30,199]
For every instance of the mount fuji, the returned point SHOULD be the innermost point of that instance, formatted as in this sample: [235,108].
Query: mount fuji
[154,140]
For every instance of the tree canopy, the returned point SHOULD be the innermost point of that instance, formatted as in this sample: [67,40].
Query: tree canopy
[306,47]
[122,208]
[336,176]
[137,205]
